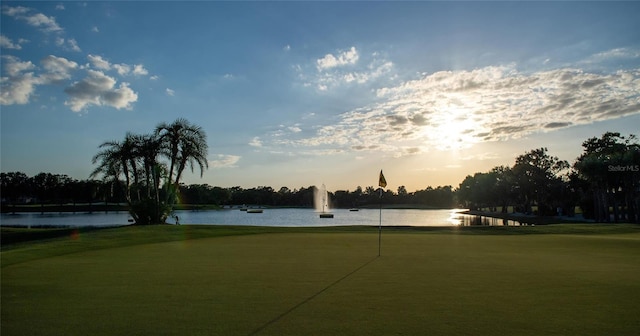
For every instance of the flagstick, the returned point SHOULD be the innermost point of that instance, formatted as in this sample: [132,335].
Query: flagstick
[382,183]
[380,226]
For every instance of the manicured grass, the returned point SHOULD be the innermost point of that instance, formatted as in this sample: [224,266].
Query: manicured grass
[571,280]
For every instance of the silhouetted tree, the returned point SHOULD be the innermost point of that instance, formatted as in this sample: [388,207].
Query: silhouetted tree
[536,175]
[138,159]
[610,169]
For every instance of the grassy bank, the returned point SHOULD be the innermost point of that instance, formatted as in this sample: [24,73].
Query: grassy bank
[551,280]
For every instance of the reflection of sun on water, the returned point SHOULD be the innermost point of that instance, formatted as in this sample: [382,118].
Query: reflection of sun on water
[455,218]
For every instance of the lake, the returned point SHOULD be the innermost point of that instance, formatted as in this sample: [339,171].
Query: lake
[269,217]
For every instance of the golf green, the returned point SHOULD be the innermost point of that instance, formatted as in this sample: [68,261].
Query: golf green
[323,283]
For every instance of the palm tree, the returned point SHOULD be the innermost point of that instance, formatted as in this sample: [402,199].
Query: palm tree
[184,144]
[137,158]
[112,161]
[118,158]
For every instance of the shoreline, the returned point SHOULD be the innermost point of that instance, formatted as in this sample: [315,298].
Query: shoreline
[524,219]
[98,207]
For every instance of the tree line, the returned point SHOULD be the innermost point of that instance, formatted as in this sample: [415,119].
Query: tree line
[440,197]
[144,172]
[604,182]
[58,189]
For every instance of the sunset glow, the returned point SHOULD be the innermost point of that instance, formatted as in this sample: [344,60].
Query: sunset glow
[301,93]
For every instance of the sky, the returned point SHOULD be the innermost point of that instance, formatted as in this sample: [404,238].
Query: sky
[303,93]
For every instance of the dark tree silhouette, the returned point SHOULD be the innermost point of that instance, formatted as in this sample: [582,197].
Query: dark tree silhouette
[610,169]
[138,158]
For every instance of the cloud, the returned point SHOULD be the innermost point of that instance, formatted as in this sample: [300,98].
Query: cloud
[20,79]
[19,83]
[13,66]
[100,90]
[617,53]
[122,69]
[255,142]
[139,70]
[99,63]
[73,45]
[6,42]
[455,109]
[17,90]
[45,23]
[224,161]
[170,92]
[38,20]
[348,68]
[344,58]
[68,44]
[58,68]
[15,11]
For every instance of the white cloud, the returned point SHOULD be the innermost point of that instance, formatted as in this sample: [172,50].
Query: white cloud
[58,68]
[17,90]
[255,142]
[15,11]
[347,68]
[68,44]
[122,69]
[224,161]
[45,23]
[13,66]
[73,45]
[20,83]
[60,6]
[21,80]
[139,70]
[100,90]
[170,92]
[95,29]
[615,54]
[98,62]
[6,42]
[455,109]
[344,58]
[287,48]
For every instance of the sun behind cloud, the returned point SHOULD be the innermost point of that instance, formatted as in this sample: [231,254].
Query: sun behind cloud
[453,129]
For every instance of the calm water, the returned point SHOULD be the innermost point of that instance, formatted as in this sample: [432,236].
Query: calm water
[270,217]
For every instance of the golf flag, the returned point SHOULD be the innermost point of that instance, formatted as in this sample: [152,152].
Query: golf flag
[382,182]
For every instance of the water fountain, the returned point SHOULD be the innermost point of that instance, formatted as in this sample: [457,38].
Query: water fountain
[321,202]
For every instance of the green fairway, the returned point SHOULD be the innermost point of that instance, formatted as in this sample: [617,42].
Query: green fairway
[274,281]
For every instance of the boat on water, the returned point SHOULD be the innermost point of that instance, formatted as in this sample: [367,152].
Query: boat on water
[354,209]
[254,210]
[326,215]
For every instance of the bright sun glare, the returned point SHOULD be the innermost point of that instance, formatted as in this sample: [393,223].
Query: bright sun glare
[453,129]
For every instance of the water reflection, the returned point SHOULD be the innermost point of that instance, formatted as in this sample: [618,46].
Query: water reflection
[270,217]
[461,219]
